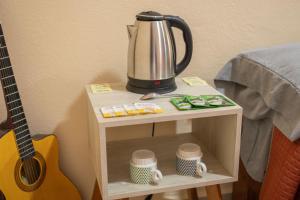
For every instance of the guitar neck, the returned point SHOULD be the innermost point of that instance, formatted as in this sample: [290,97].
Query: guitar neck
[14,104]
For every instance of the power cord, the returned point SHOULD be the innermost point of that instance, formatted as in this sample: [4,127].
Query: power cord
[149,197]
[153,129]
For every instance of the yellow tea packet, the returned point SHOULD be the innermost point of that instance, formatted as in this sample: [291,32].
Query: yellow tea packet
[194,80]
[100,88]
[146,108]
[142,109]
[119,111]
[131,109]
[107,112]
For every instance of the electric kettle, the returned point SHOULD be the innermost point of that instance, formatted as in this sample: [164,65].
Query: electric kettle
[152,65]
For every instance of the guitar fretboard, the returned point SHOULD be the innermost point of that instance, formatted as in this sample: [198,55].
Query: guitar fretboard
[13,103]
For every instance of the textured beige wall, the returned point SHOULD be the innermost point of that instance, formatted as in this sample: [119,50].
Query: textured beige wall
[59,46]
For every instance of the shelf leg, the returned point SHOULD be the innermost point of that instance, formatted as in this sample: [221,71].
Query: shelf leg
[213,192]
[97,193]
[192,194]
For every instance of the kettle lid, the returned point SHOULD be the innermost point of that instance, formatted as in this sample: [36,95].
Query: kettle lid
[149,16]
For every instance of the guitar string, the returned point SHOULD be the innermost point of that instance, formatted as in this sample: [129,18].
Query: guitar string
[2,55]
[35,169]
[28,164]
[32,171]
[27,171]
[36,173]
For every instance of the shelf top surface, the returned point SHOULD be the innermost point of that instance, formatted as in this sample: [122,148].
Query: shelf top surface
[119,95]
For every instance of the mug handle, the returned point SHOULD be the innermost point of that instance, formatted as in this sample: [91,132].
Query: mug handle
[156,176]
[201,168]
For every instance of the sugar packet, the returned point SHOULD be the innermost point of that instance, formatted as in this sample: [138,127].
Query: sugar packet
[119,111]
[146,108]
[131,109]
[107,112]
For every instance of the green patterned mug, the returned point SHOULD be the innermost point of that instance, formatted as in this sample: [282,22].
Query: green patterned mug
[143,168]
[188,160]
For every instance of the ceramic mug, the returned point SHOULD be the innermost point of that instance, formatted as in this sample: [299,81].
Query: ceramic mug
[143,168]
[188,160]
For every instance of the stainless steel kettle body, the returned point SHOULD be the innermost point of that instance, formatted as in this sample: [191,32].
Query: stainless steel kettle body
[152,53]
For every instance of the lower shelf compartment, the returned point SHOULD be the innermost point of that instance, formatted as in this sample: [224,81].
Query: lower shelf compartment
[119,154]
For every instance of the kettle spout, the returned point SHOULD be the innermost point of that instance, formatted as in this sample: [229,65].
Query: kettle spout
[131,30]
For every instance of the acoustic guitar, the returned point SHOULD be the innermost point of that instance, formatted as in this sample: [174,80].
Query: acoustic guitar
[29,169]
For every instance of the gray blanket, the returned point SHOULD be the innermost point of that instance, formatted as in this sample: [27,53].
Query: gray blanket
[266,83]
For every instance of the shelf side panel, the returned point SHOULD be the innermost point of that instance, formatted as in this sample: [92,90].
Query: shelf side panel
[226,142]
[97,146]
[221,135]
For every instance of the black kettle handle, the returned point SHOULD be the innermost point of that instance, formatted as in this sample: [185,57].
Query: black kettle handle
[179,23]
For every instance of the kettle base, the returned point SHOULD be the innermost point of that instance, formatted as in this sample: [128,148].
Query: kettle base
[147,86]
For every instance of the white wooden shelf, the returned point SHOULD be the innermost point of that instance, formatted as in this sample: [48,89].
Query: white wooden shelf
[112,140]
[120,96]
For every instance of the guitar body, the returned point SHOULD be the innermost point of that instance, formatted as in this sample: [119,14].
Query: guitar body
[54,185]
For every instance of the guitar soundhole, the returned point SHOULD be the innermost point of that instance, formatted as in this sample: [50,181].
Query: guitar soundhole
[2,197]
[30,173]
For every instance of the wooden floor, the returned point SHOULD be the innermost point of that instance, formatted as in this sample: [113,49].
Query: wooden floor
[245,188]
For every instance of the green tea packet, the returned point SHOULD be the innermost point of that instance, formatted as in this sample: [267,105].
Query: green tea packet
[217,100]
[197,101]
[201,102]
[181,104]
